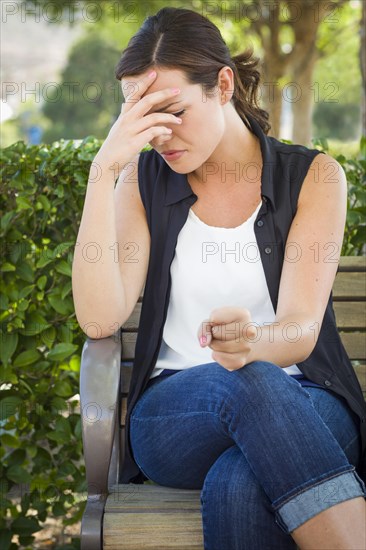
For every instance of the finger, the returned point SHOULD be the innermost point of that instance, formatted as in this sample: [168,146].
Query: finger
[237,330]
[229,347]
[133,91]
[150,101]
[228,314]
[204,333]
[155,119]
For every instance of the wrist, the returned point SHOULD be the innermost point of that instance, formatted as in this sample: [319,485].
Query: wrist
[100,170]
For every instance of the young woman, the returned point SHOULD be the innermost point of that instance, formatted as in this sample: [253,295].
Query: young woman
[241,385]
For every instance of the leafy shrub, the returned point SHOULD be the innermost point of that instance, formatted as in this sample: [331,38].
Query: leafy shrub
[43,190]
[42,198]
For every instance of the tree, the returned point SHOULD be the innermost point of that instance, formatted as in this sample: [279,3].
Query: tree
[288,33]
[89,97]
[337,83]
[296,58]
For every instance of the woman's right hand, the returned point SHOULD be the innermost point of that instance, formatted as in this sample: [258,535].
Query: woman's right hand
[133,130]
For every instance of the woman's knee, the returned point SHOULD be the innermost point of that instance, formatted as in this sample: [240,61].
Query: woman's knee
[262,388]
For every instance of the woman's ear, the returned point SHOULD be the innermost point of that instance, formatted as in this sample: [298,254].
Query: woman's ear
[226,84]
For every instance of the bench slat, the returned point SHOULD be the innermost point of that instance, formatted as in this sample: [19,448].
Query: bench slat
[130,497]
[360,371]
[350,315]
[352,263]
[153,531]
[154,517]
[349,285]
[355,344]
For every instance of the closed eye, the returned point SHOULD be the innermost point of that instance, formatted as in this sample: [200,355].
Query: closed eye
[179,114]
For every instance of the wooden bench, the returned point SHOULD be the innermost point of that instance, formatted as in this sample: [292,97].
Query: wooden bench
[135,516]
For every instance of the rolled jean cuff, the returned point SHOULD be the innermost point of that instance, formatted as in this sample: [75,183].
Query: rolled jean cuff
[317,498]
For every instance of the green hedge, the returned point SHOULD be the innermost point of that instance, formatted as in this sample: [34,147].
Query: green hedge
[43,191]
[355,231]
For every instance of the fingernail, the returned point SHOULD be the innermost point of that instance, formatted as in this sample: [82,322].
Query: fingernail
[153,73]
[203,340]
[175,90]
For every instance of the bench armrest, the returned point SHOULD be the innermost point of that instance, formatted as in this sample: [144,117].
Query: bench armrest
[99,401]
[100,371]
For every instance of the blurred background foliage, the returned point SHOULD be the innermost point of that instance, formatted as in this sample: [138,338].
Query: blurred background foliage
[43,188]
[310,54]
[92,103]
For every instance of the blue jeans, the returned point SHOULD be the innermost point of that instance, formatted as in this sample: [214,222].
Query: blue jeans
[267,453]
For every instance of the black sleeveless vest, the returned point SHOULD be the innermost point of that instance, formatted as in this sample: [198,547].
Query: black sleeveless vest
[167,197]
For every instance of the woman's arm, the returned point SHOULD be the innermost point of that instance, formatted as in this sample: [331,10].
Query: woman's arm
[97,286]
[114,227]
[312,253]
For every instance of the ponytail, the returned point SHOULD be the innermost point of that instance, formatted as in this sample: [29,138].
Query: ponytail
[246,86]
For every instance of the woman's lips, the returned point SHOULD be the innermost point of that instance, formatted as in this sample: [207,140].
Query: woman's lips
[172,154]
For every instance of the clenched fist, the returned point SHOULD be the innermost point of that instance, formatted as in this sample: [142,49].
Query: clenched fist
[228,332]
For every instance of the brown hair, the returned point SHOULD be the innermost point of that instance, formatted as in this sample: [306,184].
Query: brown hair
[179,38]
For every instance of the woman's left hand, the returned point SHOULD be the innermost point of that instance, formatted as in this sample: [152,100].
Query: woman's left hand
[227,332]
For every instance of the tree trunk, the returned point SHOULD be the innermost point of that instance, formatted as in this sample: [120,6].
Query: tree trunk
[272,95]
[274,64]
[303,61]
[302,103]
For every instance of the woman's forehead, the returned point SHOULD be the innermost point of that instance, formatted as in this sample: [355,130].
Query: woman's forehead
[166,78]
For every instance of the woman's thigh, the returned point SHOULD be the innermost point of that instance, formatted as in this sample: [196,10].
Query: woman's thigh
[176,429]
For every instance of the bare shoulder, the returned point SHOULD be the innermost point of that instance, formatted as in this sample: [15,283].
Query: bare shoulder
[325,180]
[326,163]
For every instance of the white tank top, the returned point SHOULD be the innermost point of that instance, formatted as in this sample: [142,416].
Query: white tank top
[212,267]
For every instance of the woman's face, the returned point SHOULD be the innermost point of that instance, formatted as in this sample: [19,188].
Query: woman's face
[203,120]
